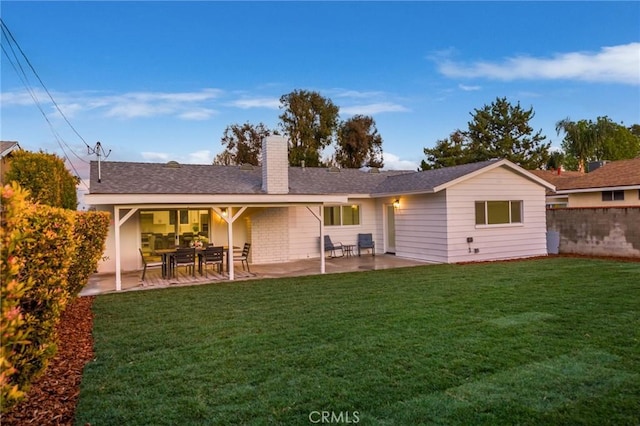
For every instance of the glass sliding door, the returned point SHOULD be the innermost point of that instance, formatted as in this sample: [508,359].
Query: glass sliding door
[167,229]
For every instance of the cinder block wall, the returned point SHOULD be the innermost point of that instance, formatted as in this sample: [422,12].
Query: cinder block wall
[597,231]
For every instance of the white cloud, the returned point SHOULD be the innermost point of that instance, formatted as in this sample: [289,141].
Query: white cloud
[373,108]
[468,88]
[612,64]
[200,157]
[155,156]
[198,114]
[355,94]
[393,162]
[197,157]
[271,103]
[194,105]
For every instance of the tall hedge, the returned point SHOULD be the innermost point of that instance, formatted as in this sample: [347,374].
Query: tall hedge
[46,178]
[90,233]
[13,326]
[47,256]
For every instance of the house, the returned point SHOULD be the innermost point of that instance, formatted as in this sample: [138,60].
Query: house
[6,152]
[611,184]
[474,212]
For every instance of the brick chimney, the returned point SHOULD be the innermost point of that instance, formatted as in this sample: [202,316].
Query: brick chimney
[275,165]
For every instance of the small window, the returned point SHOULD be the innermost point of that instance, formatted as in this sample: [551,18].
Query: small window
[342,215]
[613,195]
[332,216]
[498,212]
[350,215]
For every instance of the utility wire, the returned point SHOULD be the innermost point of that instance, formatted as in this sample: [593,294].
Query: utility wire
[8,32]
[18,68]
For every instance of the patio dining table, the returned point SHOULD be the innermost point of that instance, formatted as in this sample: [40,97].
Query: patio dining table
[166,255]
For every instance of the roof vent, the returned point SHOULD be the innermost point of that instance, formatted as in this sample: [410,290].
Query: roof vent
[246,166]
[172,165]
[333,170]
[374,170]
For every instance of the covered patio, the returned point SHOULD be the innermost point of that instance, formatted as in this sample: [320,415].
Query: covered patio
[131,281]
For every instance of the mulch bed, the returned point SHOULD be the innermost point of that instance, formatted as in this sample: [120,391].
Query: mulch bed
[52,399]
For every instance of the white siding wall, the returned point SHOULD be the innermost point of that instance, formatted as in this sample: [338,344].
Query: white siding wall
[129,243]
[304,229]
[421,227]
[495,242]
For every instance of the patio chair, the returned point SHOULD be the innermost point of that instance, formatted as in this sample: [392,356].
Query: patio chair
[331,247]
[365,241]
[244,257]
[211,256]
[184,257]
[148,264]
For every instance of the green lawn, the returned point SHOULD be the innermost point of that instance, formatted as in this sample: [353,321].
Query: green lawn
[548,341]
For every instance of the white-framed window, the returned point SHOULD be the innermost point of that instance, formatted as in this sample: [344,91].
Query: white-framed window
[345,215]
[498,212]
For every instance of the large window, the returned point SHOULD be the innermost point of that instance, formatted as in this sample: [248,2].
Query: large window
[342,215]
[498,212]
[165,229]
[612,195]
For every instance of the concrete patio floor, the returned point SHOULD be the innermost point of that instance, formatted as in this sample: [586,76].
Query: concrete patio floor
[131,281]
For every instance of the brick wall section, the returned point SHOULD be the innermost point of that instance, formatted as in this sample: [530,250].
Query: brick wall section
[270,235]
[597,231]
[275,165]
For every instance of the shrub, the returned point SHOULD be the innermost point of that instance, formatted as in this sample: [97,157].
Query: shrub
[46,257]
[90,234]
[46,177]
[15,330]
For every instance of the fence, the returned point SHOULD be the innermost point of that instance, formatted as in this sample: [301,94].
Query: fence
[612,231]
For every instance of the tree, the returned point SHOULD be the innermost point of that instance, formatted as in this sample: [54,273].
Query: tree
[46,178]
[359,144]
[556,160]
[586,140]
[615,141]
[243,144]
[579,140]
[501,130]
[310,121]
[447,152]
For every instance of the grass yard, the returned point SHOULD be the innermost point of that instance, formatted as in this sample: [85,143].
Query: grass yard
[546,341]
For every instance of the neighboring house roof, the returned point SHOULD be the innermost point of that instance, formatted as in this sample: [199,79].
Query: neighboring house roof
[173,178]
[7,146]
[615,174]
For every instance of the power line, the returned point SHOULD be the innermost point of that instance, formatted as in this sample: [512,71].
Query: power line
[8,32]
[20,71]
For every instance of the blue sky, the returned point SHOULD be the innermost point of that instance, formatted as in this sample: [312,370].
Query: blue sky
[159,81]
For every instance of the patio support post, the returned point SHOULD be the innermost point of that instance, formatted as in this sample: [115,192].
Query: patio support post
[230,217]
[322,261]
[116,226]
[320,217]
[230,250]
[117,222]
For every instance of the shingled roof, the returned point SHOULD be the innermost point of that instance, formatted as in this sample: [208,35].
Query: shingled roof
[173,178]
[613,174]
